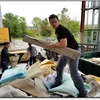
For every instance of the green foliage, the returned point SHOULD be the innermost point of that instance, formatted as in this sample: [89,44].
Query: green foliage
[46,33]
[44,24]
[39,37]
[23,26]
[74,26]
[36,23]
[94,35]
[63,17]
[16,24]
[46,30]
[88,32]
[30,32]
[65,20]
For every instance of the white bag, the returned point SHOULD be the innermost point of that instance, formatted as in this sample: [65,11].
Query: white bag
[14,60]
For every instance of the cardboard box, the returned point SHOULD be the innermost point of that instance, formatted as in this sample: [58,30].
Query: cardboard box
[71,53]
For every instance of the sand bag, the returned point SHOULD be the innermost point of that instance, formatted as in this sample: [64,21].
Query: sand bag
[14,60]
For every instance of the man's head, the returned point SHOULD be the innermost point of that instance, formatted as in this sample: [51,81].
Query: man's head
[29,44]
[7,44]
[54,21]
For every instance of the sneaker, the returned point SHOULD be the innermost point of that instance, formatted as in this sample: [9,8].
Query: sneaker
[56,84]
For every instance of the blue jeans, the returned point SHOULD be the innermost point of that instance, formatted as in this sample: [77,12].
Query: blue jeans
[73,66]
[4,66]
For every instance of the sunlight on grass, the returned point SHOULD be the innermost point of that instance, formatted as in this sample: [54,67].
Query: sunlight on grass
[42,38]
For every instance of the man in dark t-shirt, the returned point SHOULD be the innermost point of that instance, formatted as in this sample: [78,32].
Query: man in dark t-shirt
[66,39]
[61,34]
[5,56]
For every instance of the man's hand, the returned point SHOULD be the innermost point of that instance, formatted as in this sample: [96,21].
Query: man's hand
[51,46]
[15,55]
[61,44]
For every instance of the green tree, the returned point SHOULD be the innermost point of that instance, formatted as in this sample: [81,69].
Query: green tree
[30,32]
[36,24]
[16,24]
[88,32]
[74,26]
[64,17]
[45,28]
[65,20]
[23,26]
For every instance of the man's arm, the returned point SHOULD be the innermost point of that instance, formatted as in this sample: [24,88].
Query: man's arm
[36,51]
[9,54]
[61,44]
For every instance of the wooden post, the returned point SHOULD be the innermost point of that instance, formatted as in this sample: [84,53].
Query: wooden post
[81,38]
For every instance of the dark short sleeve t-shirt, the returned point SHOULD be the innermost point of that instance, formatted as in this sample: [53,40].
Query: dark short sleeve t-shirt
[5,55]
[62,32]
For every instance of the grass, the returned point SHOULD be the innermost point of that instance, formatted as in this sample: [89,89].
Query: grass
[41,37]
[17,38]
